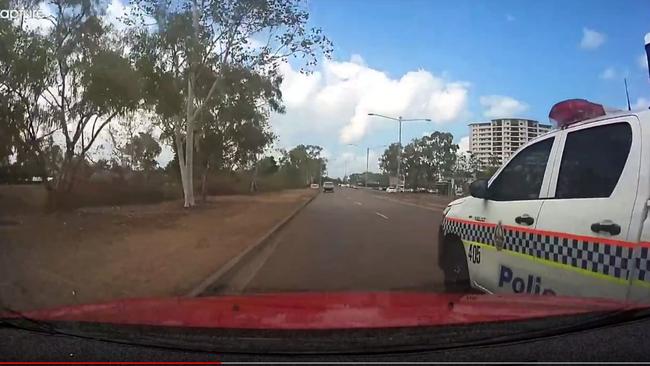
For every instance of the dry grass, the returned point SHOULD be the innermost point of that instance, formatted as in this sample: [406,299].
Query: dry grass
[103,253]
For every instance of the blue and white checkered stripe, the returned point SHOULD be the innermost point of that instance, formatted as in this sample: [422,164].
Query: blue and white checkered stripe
[591,255]
[643,264]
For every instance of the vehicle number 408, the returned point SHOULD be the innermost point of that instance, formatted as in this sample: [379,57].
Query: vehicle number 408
[474,254]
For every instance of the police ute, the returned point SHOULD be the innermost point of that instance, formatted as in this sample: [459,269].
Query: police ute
[566,215]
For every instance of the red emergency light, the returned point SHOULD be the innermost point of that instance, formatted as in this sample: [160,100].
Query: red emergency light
[571,111]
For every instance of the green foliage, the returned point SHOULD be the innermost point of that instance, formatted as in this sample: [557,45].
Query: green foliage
[142,151]
[304,164]
[467,167]
[490,167]
[374,179]
[267,166]
[388,161]
[424,161]
[111,84]
[70,78]
[25,73]
[74,79]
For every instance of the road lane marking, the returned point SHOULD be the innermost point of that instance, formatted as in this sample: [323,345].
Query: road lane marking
[382,216]
[432,207]
[358,203]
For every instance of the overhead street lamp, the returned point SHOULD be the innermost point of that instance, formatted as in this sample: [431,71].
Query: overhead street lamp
[399,143]
[367,159]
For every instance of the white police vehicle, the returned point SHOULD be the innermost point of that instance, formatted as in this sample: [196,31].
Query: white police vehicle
[566,215]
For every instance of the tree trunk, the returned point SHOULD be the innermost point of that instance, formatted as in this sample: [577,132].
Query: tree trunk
[64,174]
[189,162]
[253,186]
[204,182]
[183,168]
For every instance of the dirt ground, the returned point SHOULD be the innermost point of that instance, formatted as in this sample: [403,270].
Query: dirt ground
[103,253]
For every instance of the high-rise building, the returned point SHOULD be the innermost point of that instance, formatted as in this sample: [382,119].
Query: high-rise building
[498,139]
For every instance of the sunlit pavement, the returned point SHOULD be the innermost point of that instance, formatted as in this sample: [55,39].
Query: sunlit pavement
[349,240]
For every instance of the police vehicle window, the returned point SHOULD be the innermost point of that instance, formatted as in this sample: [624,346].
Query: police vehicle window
[522,178]
[593,161]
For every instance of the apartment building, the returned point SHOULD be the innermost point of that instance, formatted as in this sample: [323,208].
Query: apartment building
[500,138]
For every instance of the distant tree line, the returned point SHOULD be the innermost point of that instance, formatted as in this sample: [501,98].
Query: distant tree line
[433,158]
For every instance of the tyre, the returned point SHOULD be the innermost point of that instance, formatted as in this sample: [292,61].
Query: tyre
[454,266]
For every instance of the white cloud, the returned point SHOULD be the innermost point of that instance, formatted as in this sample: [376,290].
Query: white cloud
[591,39]
[353,162]
[510,18]
[641,103]
[336,100]
[608,74]
[463,144]
[117,11]
[642,61]
[114,12]
[499,106]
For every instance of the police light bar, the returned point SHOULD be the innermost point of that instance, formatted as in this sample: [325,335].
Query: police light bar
[570,111]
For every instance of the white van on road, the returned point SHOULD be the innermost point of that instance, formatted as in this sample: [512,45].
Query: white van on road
[566,215]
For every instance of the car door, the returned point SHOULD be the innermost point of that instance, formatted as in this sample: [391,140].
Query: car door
[515,197]
[583,238]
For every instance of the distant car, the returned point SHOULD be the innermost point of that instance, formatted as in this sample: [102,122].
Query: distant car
[328,187]
[391,190]
[314,185]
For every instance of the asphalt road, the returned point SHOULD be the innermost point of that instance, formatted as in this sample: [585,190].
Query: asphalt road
[349,240]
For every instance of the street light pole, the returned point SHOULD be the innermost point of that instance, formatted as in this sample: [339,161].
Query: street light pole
[399,143]
[367,156]
[399,153]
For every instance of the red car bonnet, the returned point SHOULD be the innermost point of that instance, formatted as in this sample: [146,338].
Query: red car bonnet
[326,310]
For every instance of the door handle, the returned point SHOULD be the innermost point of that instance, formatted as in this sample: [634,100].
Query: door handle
[606,226]
[524,219]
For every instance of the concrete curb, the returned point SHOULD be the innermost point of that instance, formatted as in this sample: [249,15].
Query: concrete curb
[238,259]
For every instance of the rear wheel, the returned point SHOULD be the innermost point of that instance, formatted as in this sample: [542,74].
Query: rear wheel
[454,266]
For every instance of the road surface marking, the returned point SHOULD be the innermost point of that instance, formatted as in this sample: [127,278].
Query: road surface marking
[358,203]
[432,207]
[382,216]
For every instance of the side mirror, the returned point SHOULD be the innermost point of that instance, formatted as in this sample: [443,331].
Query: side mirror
[479,189]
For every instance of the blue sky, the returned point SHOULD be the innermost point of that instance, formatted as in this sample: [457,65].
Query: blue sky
[529,51]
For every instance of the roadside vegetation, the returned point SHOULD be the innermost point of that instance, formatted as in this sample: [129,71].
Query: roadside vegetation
[88,103]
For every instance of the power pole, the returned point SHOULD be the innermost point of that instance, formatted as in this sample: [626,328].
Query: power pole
[627,95]
[399,153]
[367,156]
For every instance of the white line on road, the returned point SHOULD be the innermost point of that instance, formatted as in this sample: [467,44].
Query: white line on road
[358,203]
[432,207]
[382,216]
